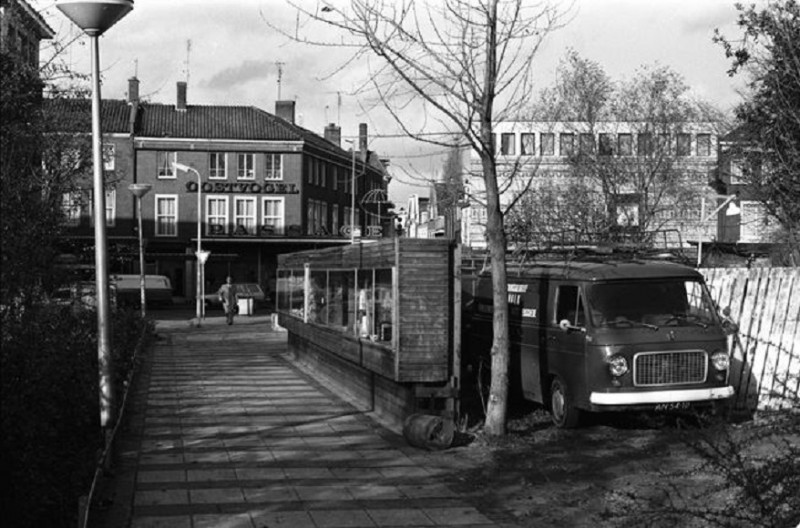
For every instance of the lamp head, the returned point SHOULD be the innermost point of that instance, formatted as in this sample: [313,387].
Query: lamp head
[139,189]
[181,167]
[94,17]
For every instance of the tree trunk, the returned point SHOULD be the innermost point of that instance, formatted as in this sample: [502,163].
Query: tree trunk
[496,408]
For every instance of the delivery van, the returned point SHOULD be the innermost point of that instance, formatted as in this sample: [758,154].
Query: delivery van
[595,336]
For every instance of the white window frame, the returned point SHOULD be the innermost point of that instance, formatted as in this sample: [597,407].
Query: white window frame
[214,170]
[246,166]
[164,164]
[109,156]
[71,205]
[157,217]
[212,220]
[111,207]
[277,221]
[249,221]
[508,143]
[270,173]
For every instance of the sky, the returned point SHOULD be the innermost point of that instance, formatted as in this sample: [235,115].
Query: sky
[231,56]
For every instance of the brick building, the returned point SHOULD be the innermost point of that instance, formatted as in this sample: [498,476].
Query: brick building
[268,186]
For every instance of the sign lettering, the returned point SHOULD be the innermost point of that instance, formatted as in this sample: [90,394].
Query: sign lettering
[243,187]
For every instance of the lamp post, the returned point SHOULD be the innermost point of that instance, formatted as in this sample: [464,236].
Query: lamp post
[732,210]
[94,17]
[200,254]
[352,192]
[139,190]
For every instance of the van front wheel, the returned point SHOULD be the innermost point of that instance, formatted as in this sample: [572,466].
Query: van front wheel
[565,415]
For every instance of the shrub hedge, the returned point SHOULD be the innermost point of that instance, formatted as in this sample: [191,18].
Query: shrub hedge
[51,436]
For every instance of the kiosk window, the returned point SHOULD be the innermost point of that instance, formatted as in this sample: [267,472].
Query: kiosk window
[569,306]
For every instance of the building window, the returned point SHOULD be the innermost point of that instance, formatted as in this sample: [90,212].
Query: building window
[335,219]
[164,162]
[71,206]
[606,147]
[644,144]
[703,144]
[166,215]
[663,145]
[684,145]
[527,144]
[244,215]
[109,156]
[110,205]
[216,215]
[247,166]
[625,144]
[567,145]
[507,143]
[547,144]
[217,165]
[586,144]
[272,222]
[274,167]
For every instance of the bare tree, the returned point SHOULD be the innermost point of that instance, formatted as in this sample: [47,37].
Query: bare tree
[467,64]
[647,183]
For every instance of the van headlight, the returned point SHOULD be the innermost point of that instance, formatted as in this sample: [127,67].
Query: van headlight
[720,360]
[617,365]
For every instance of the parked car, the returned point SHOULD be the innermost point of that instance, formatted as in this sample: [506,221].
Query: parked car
[244,290]
[82,294]
[158,289]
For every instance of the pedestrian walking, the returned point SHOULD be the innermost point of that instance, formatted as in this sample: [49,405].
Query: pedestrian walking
[227,294]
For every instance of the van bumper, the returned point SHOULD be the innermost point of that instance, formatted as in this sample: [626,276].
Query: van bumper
[655,397]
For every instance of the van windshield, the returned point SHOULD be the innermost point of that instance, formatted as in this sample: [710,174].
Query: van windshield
[651,303]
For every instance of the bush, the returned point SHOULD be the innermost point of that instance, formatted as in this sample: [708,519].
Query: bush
[50,407]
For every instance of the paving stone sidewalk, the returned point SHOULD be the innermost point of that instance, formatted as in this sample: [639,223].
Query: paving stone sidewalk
[226,432]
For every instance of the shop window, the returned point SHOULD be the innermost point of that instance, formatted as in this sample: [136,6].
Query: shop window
[341,310]
[272,221]
[318,297]
[166,215]
[216,215]
[245,215]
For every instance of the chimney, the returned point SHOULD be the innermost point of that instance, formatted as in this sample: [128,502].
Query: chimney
[133,90]
[285,110]
[333,133]
[181,96]
[362,140]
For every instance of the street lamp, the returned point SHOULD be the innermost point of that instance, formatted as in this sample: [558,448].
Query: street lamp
[352,192]
[201,255]
[732,210]
[139,190]
[94,17]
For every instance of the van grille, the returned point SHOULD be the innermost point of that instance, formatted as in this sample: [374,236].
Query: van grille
[651,369]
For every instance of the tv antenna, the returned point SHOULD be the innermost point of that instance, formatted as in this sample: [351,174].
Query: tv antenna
[188,54]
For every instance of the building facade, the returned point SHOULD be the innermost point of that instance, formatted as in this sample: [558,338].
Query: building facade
[22,29]
[533,155]
[266,186]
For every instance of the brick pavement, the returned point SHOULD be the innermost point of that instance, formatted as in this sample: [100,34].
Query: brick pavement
[226,432]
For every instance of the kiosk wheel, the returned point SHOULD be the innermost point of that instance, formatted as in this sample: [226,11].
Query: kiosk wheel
[565,414]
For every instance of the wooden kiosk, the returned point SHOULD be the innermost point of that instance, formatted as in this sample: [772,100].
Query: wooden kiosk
[376,321]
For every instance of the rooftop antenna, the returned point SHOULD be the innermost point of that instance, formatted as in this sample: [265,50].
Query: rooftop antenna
[188,54]
[280,77]
[136,68]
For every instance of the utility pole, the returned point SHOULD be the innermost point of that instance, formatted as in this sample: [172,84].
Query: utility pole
[280,76]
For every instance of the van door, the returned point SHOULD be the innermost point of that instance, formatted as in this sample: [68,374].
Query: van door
[566,348]
[526,326]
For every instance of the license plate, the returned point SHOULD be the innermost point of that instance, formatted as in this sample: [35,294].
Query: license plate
[673,406]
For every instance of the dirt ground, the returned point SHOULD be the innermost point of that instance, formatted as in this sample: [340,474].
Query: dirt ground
[541,476]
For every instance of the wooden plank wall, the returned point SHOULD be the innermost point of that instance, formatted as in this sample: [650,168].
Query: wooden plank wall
[765,303]
[425,311]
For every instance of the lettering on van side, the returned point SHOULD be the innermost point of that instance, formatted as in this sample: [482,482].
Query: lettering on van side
[529,313]
[517,288]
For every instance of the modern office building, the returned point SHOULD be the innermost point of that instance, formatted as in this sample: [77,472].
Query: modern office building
[266,186]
